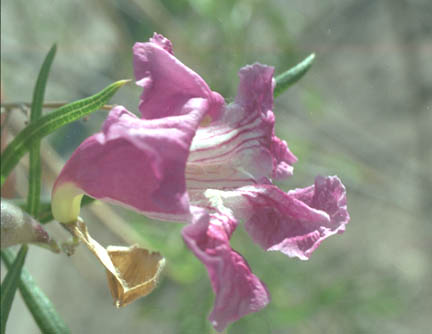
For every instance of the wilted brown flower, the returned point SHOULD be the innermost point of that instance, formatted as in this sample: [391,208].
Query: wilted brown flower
[132,272]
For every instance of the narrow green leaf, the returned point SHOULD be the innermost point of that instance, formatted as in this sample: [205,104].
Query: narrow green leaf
[39,90]
[51,122]
[40,306]
[34,179]
[9,286]
[35,171]
[288,78]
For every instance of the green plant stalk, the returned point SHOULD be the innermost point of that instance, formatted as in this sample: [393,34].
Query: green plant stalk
[35,171]
[294,74]
[51,122]
[40,306]
[9,286]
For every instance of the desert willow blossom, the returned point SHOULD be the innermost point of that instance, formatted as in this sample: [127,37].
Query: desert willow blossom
[194,159]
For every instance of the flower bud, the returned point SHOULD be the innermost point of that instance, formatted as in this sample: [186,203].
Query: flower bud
[17,227]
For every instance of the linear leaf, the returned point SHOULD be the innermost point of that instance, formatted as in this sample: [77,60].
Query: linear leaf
[40,306]
[35,172]
[51,122]
[9,286]
[294,74]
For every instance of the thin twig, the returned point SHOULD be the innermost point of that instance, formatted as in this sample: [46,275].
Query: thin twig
[49,105]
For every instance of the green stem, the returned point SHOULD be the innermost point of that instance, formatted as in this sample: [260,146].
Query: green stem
[43,311]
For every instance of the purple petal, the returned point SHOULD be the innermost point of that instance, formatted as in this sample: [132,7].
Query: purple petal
[240,147]
[294,223]
[255,93]
[168,84]
[163,42]
[255,90]
[329,195]
[135,162]
[238,291]
[283,159]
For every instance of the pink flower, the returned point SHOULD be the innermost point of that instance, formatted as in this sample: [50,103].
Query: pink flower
[191,158]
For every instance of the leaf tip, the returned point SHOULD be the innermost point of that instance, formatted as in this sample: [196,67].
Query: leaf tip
[311,57]
[121,83]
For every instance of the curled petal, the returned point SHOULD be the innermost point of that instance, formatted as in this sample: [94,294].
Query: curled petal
[135,162]
[255,90]
[255,93]
[327,194]
[168,84]
[294,223]
[283,159]
[240,147]
[163,42]
[238,291]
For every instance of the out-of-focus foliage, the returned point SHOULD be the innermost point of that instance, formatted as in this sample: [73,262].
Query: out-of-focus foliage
[43,311]
[362,112]
[9,287]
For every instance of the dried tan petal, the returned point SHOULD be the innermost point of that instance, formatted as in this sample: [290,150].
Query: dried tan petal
[132,272]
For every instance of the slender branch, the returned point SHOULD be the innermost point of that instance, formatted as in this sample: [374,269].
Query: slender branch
[49,105]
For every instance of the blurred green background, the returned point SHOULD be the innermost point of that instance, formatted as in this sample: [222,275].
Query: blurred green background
[364,112]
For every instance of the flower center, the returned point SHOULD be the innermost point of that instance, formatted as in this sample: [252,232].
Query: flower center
[205,121]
